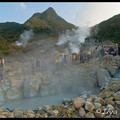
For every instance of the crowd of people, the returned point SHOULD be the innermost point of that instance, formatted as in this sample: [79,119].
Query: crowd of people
[44,63]
[83,56]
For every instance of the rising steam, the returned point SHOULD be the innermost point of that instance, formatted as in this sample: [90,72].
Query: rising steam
[72,39]
[25,37]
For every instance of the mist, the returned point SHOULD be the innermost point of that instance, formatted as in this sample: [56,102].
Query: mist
[95,12]
[73,39]
[87,16]
[25,37]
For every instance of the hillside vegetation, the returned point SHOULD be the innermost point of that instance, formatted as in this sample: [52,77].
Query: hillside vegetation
[107,30]
[48,23]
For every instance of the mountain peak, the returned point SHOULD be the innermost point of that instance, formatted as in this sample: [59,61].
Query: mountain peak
[50,10]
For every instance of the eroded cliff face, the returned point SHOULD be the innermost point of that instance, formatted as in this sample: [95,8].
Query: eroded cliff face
[89,90]
[77,78]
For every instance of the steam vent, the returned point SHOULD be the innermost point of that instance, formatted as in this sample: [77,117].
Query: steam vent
[51,68]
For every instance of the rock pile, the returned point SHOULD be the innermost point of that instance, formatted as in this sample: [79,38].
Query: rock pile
[104,105]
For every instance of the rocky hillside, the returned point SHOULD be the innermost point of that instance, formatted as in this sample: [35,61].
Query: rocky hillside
[107,30]
[43,24]
[48,22]
[104,104]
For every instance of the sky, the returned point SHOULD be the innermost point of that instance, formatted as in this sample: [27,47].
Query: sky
[78,13]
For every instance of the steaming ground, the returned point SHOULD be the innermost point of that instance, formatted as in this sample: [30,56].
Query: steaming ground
[73,79]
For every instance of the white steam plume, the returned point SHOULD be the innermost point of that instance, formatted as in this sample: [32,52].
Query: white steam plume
[24,38]
[72,39]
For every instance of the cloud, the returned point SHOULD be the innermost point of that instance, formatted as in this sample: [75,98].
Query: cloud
[94,13]
[22,5]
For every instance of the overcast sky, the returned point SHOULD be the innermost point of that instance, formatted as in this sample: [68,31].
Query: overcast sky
[78,13]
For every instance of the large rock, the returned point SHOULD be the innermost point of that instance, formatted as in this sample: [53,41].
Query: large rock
[89,115]
[78,102]
[117,75]
[110,107]
[106,94]
[18,114]
[112,69]
[7,68]
[89,106]
[99,100]
[46,77]
[82,112]
[109,101]
[4,87]
[13,94]
[31,87]
[44,90]
[103,76]
[16,83]
[97,105]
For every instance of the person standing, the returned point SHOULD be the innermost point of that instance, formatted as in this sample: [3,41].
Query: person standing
[81,56]
[62,59]
[88,55]
[102,51]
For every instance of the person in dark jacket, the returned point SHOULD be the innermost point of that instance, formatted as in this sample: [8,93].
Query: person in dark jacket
[102,51]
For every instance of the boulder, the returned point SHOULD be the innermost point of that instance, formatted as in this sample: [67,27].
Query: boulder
[112,69]
[7,68]
[13,94]
[106,94]
[117,75]
[18,114]
[82,112]
[89,106]
[109,101]
[97,105]
[31,87]
[99,100]
[116,98]
[89,115]
[66,100]
[78,102]
[4,88]
[44,90]
[30,115]
[16,83]
[110,107]
[103,76]
[70,111]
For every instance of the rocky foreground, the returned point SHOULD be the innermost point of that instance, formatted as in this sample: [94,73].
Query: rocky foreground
[105,104]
